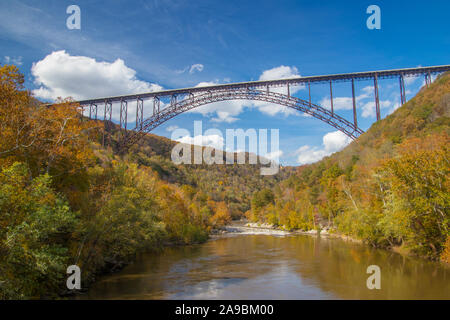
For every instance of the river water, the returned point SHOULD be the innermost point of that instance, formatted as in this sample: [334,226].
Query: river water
[273,265]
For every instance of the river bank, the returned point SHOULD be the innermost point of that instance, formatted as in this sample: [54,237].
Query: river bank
[244,227]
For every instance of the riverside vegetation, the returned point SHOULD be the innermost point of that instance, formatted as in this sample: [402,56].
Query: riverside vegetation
[390,188]
[65,199]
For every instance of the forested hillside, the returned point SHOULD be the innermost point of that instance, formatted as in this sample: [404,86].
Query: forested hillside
[65,199]
[234,184]
[389,188]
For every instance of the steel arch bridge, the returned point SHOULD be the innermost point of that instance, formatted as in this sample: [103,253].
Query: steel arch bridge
[194,101]
[253,91]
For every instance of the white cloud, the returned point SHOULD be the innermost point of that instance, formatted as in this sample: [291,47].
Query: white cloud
[196,67]
[61,75]
[394,107]
[335,141]
[332,142]
[207,83]
[368,108]
[368,90]
[307,154]
[225,116]
[345,103]
[13,60]
[214,140]
[362,102]
[281,72]
[410,80]
[275,155]
[182,70]
[228,111]
[339,103]
[171,128]
[225,111]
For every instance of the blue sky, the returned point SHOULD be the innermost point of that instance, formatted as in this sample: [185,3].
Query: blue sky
[172,44]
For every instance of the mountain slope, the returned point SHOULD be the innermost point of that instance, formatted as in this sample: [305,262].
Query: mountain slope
[388,188]
[234,184]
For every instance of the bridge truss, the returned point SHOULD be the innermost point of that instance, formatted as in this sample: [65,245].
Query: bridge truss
[182,100]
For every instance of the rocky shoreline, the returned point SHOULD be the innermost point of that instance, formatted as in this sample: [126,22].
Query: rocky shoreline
[251,228]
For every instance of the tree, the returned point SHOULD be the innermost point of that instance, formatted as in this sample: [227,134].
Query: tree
[49,139]
[418,191]
[36,224]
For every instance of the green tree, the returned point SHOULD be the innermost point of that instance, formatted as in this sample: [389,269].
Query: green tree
[36,224]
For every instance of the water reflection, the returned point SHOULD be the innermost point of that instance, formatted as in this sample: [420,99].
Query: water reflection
[274,267]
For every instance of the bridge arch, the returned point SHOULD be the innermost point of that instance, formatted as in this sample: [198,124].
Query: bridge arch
[203,98]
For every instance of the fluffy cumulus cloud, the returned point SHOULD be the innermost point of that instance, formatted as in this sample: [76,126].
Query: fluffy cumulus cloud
[214,140]
[345,103]
[368,108]
[61,75]
[281,72]
[226,111]
[229,110]
[332,142]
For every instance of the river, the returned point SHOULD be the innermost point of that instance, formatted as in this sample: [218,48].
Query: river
[261,264]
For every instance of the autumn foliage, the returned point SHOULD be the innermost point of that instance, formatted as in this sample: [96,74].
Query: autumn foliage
[65,199]
[388,188]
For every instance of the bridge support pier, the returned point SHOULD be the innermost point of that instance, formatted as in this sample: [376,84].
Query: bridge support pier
[377,97]
[123,116]
[92,111]
[156,104]
[331,97]
[355,117]
[309,91]
[402,90]
[428,79]
[173,100]
[139,113]
[107,114]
